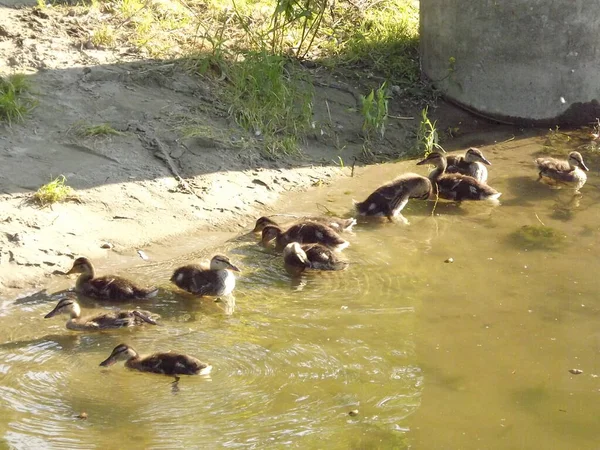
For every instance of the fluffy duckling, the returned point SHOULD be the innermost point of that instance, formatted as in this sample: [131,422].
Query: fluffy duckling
[557,173]
[303,233]
[166,363]
[213,281]
[108,287]
[472,164]
[335,223]
[455,186]
[389,199]
[298,258]
[117,319]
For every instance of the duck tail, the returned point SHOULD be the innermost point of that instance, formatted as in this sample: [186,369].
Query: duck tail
[150,292]
[349,224]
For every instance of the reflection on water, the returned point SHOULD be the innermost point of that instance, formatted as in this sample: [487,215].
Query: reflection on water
[473,354]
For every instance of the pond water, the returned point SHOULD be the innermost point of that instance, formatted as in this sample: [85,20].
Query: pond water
[433,355]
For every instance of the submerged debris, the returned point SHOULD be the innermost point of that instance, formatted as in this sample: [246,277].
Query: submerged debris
[576,371]
[353,413]
[83,415]
[449,260]
[538,237]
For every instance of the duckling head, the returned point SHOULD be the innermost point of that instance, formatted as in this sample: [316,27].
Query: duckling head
[576,160]
[261,223]
[435,159]
[220,262]
[475,155]
[81,265]
[120,352]
[67,305]
[269,234]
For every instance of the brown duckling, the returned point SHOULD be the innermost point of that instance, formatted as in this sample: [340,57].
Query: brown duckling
[558,173]
[110,320]
[335,223]
[455,186]
[303,233]
[166,363]
[389,199]
[212,281]
[298,258]
[472,164]
[108,287]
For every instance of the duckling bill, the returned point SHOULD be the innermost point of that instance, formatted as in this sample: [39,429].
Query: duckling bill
[108,287]
[163,363]
[213,281]
[110,320]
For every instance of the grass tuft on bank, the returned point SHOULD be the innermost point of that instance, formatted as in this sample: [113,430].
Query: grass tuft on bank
[15,98]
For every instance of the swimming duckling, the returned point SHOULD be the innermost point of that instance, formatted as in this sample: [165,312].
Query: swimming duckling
[335,223]
[389,199]
[472,164]
[166,363]
[303,233]
[455,186]
[108,287]
[297,258]
[117,319]
[557,173]
[212,281]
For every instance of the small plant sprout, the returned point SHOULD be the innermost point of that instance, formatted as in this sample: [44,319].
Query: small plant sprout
[15,101]
[55,191]
[97,130]
[374,110]
[427,135]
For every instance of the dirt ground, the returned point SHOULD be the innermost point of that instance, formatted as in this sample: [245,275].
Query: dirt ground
[150,184]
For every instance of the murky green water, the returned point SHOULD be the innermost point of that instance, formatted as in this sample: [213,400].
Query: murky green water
[472,354]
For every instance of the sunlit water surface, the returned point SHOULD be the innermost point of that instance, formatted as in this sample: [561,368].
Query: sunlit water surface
[470,354]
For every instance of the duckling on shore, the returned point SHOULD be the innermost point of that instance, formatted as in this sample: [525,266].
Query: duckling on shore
[108,287]
[455,186]
[164,363]
[213,281]
[560,173]
[298,258]
[389,199]
[472,164]
[109,320]
[303,233]
[335,223]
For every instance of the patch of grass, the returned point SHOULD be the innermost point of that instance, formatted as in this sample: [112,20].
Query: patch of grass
[375,35]
[97,130]
[427,136]
[15,98]
[53,192]
[374,109]
[104,36]
[271,96]
[538,237]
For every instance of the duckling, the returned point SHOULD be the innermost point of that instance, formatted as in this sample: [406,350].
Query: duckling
[335,223]
[558,173]
[471,164]
[297,258]
[455,186]
[108,287]
[390,199]
[303,233]
[212,281]
[166,363]
[117,319]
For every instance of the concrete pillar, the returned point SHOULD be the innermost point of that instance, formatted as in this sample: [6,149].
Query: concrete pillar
[521,61]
